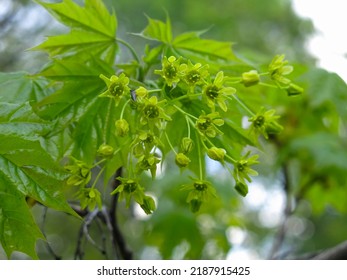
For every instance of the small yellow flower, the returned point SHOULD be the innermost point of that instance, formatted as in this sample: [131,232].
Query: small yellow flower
[117,87]
[216,92]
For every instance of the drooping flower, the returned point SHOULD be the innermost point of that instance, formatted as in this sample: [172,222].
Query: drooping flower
[89,197]
[265,122]
[80,173]
[148,162]
[152,113]
[129,188]
[216,92]
[144,143]
[200,192]
[278,68]
[242,168]
[207,124]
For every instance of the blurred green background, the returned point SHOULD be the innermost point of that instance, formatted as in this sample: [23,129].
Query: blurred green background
[297,206]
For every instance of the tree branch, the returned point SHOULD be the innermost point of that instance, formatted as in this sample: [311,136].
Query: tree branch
[288,210]
[117,236]
[339,252]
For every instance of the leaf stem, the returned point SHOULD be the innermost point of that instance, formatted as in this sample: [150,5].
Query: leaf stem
[231,158]
[184,112]
[267,85]
[123,109]
[99,162]
[107,120]
[98,176]
[130,48]
[243,105]
[184,97]
[155,90]
[170,144]
[200,161]
[188,126]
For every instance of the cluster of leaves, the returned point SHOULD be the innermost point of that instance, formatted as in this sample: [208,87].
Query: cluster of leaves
[186,95]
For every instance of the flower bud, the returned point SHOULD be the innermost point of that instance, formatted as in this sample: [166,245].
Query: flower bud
[122,127]
[250,78]
[105,150]
[91,193]
[294,89]
[141,92]
[182,160]
[195,205]
[148,205]
[273,128]
[216,153]
[241,188]
[187,145]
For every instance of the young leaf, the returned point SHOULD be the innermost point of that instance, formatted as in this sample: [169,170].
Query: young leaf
[188,43]
[158,30]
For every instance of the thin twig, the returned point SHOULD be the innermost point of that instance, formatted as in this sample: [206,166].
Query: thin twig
[49,247]
[79,253]
[288,210]
[88,221]
[338,252]
[103,238]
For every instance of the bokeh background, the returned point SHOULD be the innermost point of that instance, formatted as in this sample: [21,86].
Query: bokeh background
[297,206]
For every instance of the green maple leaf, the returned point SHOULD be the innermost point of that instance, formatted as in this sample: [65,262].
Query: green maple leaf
[19,87]
[75,68]
[93,30]
[26,170]
[192,43]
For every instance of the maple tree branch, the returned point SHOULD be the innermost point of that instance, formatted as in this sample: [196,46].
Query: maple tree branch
[117,236]
[338,252]
[287,212]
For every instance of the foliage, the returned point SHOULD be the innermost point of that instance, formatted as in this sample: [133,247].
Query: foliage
[184,102]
